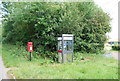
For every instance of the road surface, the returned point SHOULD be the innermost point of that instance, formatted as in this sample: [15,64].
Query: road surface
[116,55]
[3,70]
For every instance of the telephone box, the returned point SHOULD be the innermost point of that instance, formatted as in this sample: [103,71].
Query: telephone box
[30,46]
[65,48]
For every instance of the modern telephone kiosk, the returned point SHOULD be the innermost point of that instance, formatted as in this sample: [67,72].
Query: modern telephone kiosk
[65,48]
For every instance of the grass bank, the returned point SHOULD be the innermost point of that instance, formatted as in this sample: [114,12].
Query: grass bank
[92,67]
[0,40]
[115,50]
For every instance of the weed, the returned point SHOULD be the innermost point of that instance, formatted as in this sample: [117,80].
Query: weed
[94,66]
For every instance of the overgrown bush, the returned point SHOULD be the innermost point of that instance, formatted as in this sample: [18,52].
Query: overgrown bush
[41,23]
[116,47]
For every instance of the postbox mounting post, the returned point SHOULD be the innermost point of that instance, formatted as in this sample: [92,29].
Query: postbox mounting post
[30,49]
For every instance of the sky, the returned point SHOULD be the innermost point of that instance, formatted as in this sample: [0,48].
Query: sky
[110,7]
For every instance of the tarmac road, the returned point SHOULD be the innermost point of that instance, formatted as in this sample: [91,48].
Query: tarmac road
[3,70]
[116,54]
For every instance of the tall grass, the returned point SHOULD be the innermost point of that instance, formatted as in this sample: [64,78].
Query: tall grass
[0,40]
[92,67]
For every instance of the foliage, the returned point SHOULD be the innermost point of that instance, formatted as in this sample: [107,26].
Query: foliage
[116,47]
[94,67]
[0,40]
[43,22]
[17,55]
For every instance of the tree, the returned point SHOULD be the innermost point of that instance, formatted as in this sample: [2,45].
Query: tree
[43,22]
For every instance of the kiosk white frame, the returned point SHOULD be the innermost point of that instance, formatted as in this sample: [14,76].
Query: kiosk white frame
[65,48]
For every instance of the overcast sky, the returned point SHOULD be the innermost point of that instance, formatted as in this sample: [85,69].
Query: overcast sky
[110,7]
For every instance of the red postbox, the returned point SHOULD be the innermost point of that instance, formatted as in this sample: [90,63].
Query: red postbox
[30,46]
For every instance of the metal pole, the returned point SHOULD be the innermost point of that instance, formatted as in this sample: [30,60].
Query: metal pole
[62,50]
[72,48]
[30,56]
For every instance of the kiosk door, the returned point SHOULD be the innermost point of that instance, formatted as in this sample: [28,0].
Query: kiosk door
[67,48]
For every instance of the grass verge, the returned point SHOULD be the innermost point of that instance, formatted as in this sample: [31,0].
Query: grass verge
[92,67]
[115,50]
[0,40]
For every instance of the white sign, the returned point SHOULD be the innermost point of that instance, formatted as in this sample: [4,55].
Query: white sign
[30,48]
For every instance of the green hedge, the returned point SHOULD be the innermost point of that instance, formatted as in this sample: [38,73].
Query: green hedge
[116,47]
[41,23]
